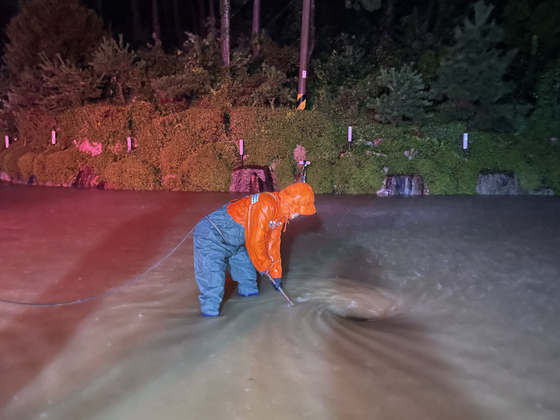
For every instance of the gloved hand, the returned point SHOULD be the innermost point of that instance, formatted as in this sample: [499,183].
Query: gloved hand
[276,283]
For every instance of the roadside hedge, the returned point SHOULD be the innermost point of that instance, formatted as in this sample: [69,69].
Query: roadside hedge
[196,150]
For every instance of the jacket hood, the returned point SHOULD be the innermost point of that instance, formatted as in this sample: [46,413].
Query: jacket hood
[299,198]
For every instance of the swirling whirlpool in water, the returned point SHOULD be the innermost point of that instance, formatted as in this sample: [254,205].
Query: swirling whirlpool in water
[347,299]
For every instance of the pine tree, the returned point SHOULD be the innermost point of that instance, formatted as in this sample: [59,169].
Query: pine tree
[470,81]
[55,87]
[50,43]
[115,62]
[65,85]
[406,100]
[52,27]
[181,86]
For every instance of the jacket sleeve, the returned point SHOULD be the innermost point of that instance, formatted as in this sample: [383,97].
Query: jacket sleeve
[275,269]
[258,225]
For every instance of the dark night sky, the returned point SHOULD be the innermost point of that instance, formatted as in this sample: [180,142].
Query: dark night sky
[117,14]
[278,17]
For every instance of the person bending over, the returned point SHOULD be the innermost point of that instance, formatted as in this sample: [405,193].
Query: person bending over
[242,236]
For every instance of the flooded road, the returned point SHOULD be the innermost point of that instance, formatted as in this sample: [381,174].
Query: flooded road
[418,308]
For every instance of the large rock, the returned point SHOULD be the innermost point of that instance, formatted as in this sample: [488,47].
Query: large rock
[87,178]
[498,184]
[5,177]
[402,185]
[251,179]
[503,184]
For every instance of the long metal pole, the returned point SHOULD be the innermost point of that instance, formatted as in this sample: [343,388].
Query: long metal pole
[280,288]
[303,54]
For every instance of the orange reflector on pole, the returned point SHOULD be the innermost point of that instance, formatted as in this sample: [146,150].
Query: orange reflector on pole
[301,101]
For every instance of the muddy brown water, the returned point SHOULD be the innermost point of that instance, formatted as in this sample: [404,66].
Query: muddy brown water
[405,308]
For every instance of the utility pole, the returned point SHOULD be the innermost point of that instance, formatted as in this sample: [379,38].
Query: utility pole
[224,31]
[303,54]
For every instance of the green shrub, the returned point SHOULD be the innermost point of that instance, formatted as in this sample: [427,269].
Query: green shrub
[40,164]
[11,159]
[428,65]
[284,58]
[175,153]
[276,134]
[148,132]
[195,150]
[529,178]
[271,90]
[344,66]
[3,154]
[62,167]
[206,170]
[507,154]
[25,164]
[131,174]
[552,173]
[355,174]
[449,134]
[320,176]
[284,170]
[188,130]
[261,144]
[243,120]
[544,122]
[35,127]
[100,123]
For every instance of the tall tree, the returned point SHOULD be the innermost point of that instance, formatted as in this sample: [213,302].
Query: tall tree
[155,22]
[224,30]
[471,81]
[177,22]
[193,16]
[533,28]
[52,27]
[202,18]
[389,19]
[136,23]
[256,25]
[449,14]
[212,12]
[428,18]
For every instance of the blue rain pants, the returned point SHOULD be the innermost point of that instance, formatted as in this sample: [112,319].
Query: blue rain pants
[219,245]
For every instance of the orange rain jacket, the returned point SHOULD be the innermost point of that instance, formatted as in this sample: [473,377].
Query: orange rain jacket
[264,217]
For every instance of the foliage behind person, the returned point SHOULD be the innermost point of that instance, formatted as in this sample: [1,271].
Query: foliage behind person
[50,40]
